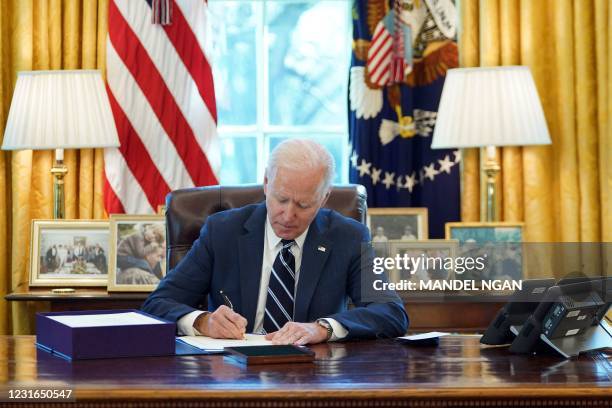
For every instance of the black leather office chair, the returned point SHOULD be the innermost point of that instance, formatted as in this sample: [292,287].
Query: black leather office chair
[187,209]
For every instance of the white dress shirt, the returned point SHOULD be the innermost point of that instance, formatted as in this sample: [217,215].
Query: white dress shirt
[272,246]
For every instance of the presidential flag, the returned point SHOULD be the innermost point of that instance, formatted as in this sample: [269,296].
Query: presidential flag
[401,52]
[161,91]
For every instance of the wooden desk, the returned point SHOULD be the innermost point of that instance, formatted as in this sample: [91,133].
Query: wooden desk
[460,372]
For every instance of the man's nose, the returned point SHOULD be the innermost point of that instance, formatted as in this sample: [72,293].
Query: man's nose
[289,211]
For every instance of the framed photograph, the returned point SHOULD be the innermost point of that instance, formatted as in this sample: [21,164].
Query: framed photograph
[403,223]
[69,253]
[137,252]
[499,242]
[428,260]
[485,232]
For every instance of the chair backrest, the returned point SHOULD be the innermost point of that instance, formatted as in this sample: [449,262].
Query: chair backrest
[187,210]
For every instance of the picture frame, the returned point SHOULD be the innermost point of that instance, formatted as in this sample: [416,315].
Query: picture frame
[137,252]
[396,221]
[434,248]
[482,231]
[69,253]
[502,242]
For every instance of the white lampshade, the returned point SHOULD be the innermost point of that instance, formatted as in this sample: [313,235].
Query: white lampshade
[490,106]
[59,110]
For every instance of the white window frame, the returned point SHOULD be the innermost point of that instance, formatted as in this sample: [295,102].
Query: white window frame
[262,131]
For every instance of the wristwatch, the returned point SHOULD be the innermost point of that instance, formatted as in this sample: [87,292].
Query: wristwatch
[330,330]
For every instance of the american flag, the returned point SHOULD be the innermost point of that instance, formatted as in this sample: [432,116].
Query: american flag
[162,95]
[386,64]
[379,56]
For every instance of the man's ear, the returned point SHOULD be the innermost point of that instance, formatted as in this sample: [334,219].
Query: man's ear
[326,198]
[265,184]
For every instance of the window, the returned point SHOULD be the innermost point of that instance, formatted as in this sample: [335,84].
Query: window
[281,71]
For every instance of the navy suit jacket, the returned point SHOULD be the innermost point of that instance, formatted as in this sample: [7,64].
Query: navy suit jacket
[336,264]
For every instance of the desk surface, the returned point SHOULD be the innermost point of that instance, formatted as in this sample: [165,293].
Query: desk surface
[347,373]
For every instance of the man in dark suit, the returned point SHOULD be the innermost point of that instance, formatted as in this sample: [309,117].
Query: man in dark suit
[286,266]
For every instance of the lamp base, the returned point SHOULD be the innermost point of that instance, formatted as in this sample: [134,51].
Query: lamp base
[491,168]
[58,170]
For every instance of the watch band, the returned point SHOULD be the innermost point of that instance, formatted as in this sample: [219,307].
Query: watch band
[324,323]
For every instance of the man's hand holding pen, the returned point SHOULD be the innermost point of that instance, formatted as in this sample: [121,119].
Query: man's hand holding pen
[223,323]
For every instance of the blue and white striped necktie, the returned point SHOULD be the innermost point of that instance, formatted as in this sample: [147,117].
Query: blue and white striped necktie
[281,290]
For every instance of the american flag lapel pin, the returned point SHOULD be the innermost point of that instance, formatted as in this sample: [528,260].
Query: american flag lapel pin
[321,248]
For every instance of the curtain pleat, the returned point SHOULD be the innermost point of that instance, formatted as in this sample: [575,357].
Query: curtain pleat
[88,61]
[98,181]
[511,157]
[5,242]
[21,57]
[606,156]
[469,57]
[586,114]
[71,58]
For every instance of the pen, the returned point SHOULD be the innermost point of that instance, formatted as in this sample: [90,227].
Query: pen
[229,304]
[226,300]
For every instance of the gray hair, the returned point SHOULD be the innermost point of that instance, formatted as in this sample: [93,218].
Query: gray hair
[300,154]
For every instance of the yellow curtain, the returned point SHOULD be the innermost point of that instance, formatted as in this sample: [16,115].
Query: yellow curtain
[39,35]
[562,192]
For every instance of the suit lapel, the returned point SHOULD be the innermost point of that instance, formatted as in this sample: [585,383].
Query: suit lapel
[315,253]
[250,254]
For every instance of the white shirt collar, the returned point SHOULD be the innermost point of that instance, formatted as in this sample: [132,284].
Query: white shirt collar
[274,240]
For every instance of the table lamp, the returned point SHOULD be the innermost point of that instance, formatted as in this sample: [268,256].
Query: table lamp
[489,107]
[59,110]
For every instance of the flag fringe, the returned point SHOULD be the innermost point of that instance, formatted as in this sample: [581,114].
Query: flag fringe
[161,12]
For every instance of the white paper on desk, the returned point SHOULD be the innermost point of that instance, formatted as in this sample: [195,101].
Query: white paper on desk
[210,344]
[106,319]
[424,336]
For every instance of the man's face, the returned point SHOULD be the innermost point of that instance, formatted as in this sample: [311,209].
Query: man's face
[293,199]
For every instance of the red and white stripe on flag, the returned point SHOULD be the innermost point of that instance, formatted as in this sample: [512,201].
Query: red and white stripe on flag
[162,95]
[379,55]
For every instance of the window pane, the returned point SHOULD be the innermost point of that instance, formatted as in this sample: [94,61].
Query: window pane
[334,143]
[234,27]
[239,160]
[308,62]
